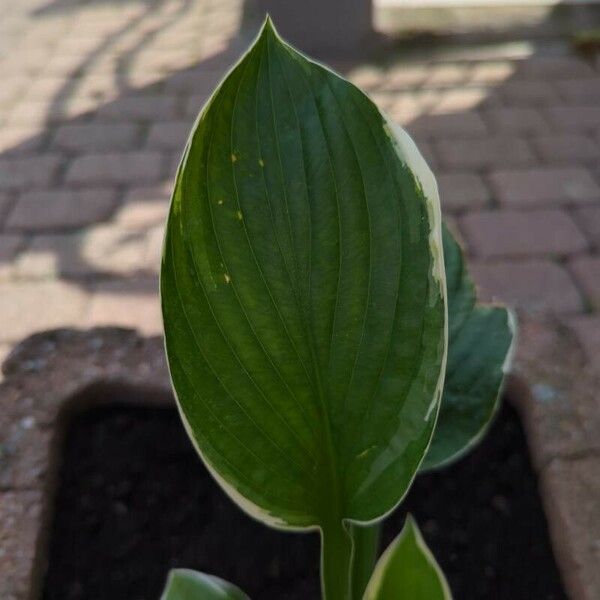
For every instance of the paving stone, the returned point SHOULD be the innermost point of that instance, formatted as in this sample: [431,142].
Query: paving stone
[41,114]
[9,246]
[21,140]
[580,91]
[95,137]
[126,303]
[169,135]
[535,286]
[159,192]
[12,87]
[496,72]
[528,93]
[544,186]
[61,209]
[154,244]
[104,249]
[399,77]
[142,213]
[199,80]
[484,153]
[426,150]
[28,172]
[147,107]
[587,273]
[5,350]
[512,120]
[459,100]
[116,168]
[566,148]
[587,330]
[194,105]
[570,489]
[446,74]
[46,304]
[589,221]
[175,161]
[460,125]
[574,118]
[552,67]
[461,191]
[6,202]
[511,233]
[44,87]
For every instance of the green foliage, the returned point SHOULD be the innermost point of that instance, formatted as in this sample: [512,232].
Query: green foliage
[185,584]
[408,571]
[303,292]
[303,299]
[480,339]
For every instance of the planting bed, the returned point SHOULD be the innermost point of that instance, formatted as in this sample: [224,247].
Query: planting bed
[133,500]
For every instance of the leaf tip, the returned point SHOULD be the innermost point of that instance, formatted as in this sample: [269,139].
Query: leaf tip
[268,27]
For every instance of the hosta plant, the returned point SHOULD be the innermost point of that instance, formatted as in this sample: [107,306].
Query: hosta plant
[321,330]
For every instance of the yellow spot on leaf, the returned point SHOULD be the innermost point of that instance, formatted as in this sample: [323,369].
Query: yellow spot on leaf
[365,452]
[261,162]
[238,214]
[233,158]
[226,278]
[219,202]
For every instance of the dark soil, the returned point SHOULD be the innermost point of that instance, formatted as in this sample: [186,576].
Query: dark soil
[134,500]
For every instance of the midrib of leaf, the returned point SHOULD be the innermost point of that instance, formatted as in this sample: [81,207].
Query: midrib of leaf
[330,473]
[332,526]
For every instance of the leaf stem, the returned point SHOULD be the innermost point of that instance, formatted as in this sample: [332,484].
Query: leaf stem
[336,560]
[365,546]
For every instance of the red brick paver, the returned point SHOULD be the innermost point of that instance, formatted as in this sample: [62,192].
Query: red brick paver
[545,186]
[587,274]
[475,154]
[589,221]
[54,210]
[92,135]
[116,168]
[462,191]
[536,286]
[566,148]
[511,233]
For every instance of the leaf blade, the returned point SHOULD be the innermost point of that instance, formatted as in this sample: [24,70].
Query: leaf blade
[298,262]
[407,570]
[185,584]
[481,340]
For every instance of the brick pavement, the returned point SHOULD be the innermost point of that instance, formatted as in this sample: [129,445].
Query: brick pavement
[97,100]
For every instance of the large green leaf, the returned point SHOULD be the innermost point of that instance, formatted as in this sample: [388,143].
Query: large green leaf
[185,584]
[479,353]
[408,571]
[303,297]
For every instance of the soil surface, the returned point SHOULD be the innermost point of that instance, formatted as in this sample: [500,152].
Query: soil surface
[134,500]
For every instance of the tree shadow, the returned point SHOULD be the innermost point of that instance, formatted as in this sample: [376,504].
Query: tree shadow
[453,100]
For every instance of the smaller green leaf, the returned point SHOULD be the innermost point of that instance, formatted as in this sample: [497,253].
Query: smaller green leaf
[480,342]
[185,584]
[407,570]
